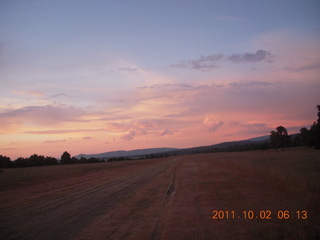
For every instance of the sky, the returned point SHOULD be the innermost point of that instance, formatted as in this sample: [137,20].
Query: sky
[96,76]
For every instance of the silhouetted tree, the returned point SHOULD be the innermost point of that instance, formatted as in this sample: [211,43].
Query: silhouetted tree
[315,131]
[311,137]
[51,161]
[305,137]
[296,141]
[279,138]
[93,160]
[21,162]
[284,138]
[36,160]
[318,120]
[83,160]
[65,158]
[5,162]
[274,139]
[74,160]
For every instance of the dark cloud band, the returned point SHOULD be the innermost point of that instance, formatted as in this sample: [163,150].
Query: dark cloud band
[205,63]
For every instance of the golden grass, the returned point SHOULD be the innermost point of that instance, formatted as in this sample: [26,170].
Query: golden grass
[293,177]
[259,181]
[297,169]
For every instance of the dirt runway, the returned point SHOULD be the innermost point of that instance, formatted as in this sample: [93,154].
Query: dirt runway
[87,207]
[171,198]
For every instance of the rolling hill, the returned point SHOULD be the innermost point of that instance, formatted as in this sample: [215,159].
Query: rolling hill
[131,153]
[176,151]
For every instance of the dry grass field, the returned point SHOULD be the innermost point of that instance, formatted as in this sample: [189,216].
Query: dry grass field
[256,195]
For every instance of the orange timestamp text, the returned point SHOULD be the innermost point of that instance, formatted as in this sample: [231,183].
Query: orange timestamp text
[262,214]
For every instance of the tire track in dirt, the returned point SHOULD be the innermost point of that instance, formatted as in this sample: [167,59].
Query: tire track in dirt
[65,216]
[156,234]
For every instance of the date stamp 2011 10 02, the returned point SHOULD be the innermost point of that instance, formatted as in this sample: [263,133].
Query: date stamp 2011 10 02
[262,214]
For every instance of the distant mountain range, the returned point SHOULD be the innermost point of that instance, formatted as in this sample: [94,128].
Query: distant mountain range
[173,151]
[223,145]
[258,139]
[132,153]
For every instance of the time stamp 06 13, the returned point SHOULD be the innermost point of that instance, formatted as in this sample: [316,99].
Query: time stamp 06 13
[262,214]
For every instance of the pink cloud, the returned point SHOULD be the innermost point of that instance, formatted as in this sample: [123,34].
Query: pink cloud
[140,127]
[87,138]
[249,128]
[54,141]
[164,132]
[43,115]
[63,131]
[212,125]
[129,135]
[146,123]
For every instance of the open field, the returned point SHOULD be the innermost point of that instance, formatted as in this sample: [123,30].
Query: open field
[170,198]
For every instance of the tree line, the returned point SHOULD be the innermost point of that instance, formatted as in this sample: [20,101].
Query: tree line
[311,137]
[307,137]
[40,160]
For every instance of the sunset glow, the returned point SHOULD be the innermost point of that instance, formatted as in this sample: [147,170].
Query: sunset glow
[98,76]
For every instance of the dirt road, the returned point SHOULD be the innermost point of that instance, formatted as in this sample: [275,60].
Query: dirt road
[171,198]
[62,210]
